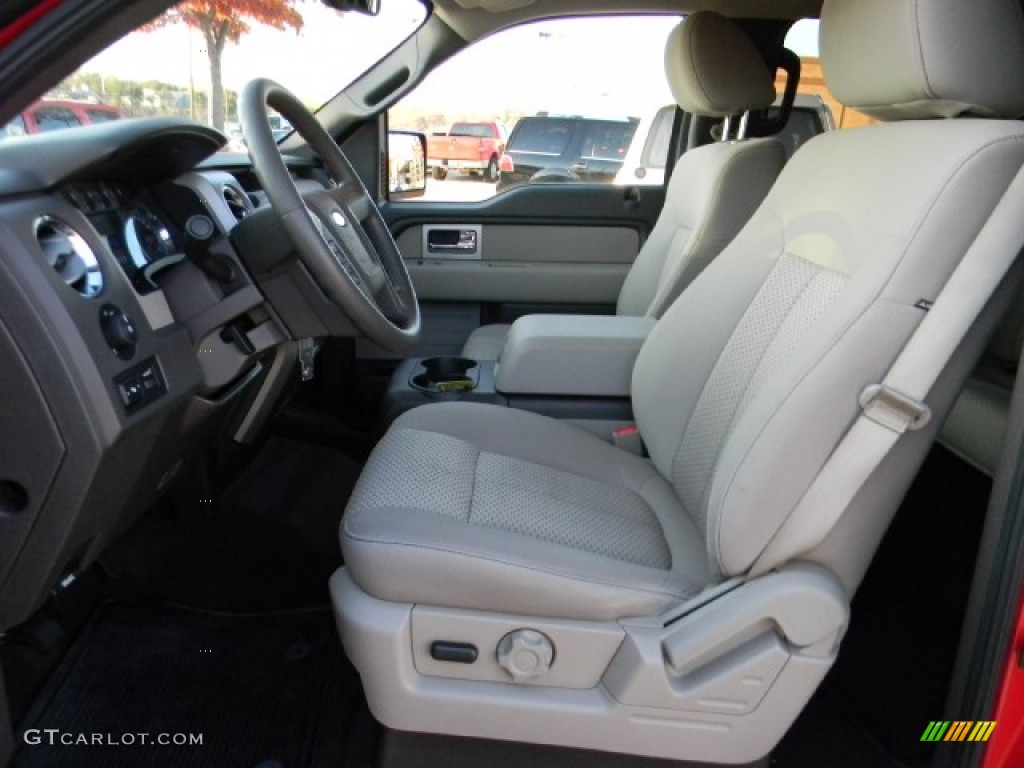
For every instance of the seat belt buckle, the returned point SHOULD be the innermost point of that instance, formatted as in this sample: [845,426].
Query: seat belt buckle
[628,439]
[892,409]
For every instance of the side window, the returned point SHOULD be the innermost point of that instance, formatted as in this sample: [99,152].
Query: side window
[543,136]
[55,118]
[14,128]
[546,102]
[101,115]
[608,141]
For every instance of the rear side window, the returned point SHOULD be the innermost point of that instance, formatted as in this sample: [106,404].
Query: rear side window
[100,115]
[543,137]
[607,141]
[55,118]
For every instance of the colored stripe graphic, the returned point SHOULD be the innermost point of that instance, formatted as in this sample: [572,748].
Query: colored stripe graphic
[982,730]
[958,730]
[935,730]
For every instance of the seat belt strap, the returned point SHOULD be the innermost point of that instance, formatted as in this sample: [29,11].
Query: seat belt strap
[897,404]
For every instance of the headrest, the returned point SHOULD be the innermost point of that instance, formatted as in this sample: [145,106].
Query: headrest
[714,69]
[910,59]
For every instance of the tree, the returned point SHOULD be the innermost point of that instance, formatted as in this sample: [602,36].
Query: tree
[224,21]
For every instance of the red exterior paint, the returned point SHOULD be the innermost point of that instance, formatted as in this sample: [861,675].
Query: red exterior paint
[1006,747]
[23,22]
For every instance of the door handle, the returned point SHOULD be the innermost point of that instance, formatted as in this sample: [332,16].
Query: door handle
[453,241]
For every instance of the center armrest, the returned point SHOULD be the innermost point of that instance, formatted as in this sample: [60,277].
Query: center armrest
[571,355]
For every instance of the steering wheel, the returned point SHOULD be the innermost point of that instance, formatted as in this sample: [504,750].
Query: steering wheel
[338,232]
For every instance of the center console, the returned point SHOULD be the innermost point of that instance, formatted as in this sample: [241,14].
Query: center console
[575,367]
[572,355]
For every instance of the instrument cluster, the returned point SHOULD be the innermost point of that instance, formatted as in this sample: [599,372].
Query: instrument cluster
[140,239]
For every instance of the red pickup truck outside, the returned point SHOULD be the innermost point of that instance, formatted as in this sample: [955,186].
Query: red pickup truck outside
[51,115]
[470,147]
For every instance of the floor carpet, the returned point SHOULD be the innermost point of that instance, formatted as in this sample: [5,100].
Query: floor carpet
[259,689]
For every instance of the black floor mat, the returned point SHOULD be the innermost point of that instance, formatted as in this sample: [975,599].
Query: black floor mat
[831,736]
[896,660]
[271,690]
[269,542]
[907,615]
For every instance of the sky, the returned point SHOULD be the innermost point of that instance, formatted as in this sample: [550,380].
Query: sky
[803,38]
[596,67]
[604,66]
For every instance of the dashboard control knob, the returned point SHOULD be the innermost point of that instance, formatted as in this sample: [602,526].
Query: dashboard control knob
[119,331]
[525,653]
[200,227]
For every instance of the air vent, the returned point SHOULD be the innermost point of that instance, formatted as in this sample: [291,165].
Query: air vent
[70,256]
[237,202]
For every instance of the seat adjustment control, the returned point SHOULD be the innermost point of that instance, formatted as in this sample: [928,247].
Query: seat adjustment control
[526,653]
[460,653]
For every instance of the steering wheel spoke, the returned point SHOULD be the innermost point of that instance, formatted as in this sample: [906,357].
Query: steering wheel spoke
[362,208]
[340,235]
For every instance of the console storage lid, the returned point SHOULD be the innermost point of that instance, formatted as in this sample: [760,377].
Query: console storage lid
[571,355]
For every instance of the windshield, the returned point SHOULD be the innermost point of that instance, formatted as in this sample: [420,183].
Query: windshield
[193,61]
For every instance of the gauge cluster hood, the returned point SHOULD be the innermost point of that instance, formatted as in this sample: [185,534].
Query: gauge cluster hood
[143,150]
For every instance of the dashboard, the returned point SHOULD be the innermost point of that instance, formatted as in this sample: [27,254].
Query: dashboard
[133,332]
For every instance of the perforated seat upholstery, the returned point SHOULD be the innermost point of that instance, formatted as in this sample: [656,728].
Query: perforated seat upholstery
[715,71]
[742,393]
[477,501]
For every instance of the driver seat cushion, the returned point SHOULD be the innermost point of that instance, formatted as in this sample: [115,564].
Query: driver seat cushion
[560,524]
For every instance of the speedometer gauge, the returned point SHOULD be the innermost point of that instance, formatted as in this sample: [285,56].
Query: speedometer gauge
[146,237]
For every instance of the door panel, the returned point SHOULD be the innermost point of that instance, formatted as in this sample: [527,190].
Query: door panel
[541,231]
[573,244]
[528,263]
[552,247]
[509,281]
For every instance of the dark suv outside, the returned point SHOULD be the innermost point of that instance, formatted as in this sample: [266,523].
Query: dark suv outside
[553,149]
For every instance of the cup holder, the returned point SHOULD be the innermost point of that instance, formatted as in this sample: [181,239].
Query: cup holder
[446,375]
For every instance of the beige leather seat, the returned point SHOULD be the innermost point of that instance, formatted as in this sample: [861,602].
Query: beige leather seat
[713,70]
[643,605]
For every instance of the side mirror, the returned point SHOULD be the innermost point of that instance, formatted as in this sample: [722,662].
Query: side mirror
[407,164]
[369,7]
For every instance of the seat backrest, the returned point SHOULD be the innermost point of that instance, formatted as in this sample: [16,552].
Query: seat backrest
[752,377]
[714,70]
